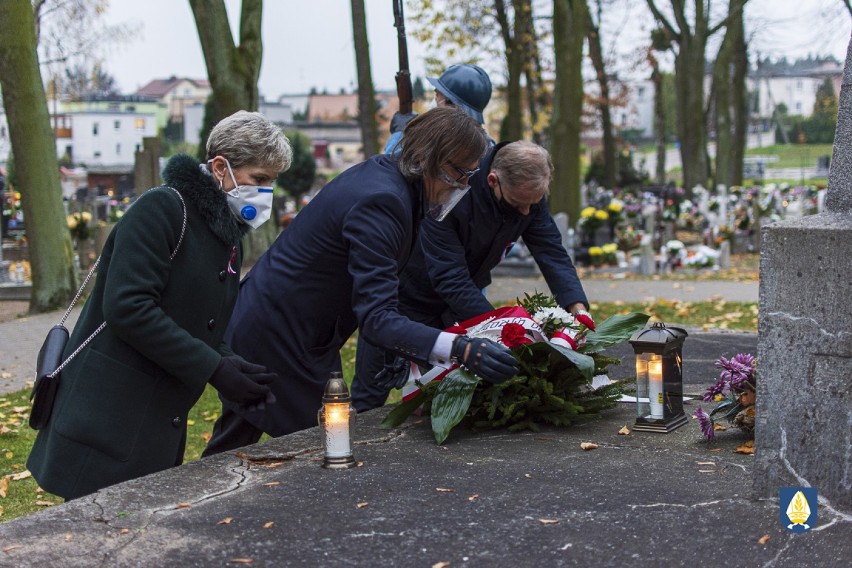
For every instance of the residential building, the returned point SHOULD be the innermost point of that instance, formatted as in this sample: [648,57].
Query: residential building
[177,93]
[193,117]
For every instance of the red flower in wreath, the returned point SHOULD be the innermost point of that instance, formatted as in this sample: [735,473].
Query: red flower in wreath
[513,335]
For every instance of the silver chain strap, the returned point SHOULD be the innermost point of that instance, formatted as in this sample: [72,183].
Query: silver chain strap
[89,276]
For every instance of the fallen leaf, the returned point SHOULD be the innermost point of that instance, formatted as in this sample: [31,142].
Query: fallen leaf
[124,531]
[5,375]
[9,455]
[624,431]
[23,475]
[206,436]
[362,504]
[1,510]
[716,450]
[4,429]
[528,476]
[548,521]
[10,548]
[268,524]
[183,506]
[190,422]
[444,490]
[68,537]
[45,503]
[4,487]
[225,521]
[272,483]
[473,497]
[440,564]
[764,539]
[586,446]
[241,560]
[719,427]
[39,490]
[747,448]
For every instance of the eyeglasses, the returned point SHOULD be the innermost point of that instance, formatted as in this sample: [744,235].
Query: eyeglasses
[463,173]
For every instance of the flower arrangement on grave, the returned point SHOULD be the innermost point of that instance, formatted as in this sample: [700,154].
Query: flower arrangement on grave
[591,219]
[615,210]
[558,355]
[735,391]
[628,238]
[596,255]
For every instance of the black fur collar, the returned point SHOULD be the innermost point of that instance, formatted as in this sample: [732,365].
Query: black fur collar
[201,190]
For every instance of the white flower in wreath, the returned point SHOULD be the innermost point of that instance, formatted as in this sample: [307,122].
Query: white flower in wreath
[556,316]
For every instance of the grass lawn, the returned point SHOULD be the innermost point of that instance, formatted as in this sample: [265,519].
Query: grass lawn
[792,155]
[19,494]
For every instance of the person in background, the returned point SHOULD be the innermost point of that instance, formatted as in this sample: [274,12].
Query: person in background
[336,269]
[466,86]
[122,402]
[443,281]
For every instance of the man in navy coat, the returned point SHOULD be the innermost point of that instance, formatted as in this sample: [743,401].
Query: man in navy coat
[443,281]
[336,268]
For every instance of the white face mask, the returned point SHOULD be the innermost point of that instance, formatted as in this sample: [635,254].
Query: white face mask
[250,204]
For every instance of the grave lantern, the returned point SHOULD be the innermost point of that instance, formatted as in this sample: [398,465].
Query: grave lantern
[659,378]
[336,417]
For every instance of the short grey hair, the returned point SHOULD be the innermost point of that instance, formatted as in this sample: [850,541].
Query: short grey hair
[523,164]
[250,139]
[438,136]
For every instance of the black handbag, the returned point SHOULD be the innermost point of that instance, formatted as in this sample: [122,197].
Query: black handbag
[49,364]
[46,381]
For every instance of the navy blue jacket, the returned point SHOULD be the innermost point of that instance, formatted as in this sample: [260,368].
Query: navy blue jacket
[453,260]
[334,269]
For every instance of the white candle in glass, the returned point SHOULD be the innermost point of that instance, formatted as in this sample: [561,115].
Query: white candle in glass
[655,387]
[337,443]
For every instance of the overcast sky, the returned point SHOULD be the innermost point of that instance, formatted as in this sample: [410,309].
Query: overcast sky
[308,43]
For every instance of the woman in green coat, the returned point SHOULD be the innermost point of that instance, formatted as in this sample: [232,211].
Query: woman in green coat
[122,403]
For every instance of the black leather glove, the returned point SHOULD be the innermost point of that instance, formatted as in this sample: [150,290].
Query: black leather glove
[395,373]
[399,121]
[485,358]
[243,383]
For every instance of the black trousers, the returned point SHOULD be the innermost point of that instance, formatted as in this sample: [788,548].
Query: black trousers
[230,432]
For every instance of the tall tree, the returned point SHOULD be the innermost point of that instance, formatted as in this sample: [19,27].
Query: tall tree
[604,101]
[570,18]
[233,71]
[688,41]
[36,166]
[366,94]
[659,117]
[730,99]
[515,52]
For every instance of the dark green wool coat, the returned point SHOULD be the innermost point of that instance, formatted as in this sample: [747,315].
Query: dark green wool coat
[122,403]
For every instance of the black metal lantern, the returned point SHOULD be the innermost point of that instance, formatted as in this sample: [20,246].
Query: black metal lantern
[336,417]
[659,378]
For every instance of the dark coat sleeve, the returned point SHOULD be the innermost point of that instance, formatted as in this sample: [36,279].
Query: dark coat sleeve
[449,274]
[138,275]
[544,241]
[375,231]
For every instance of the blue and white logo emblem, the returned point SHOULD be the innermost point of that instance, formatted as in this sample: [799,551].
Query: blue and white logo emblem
[798,508]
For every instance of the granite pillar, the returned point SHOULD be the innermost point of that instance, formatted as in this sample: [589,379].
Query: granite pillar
[804,397]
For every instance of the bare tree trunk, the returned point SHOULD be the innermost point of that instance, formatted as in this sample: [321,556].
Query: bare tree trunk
[659,119]
[730,102]
[515,63]
[526,38]
[690,38]
[569,30]
[596,55]
[54,281]
[233,71]
[366,94]
[739,95]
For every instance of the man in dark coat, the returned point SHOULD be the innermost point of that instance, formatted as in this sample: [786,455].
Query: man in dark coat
[443,281]
[122,402]
[336,269]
